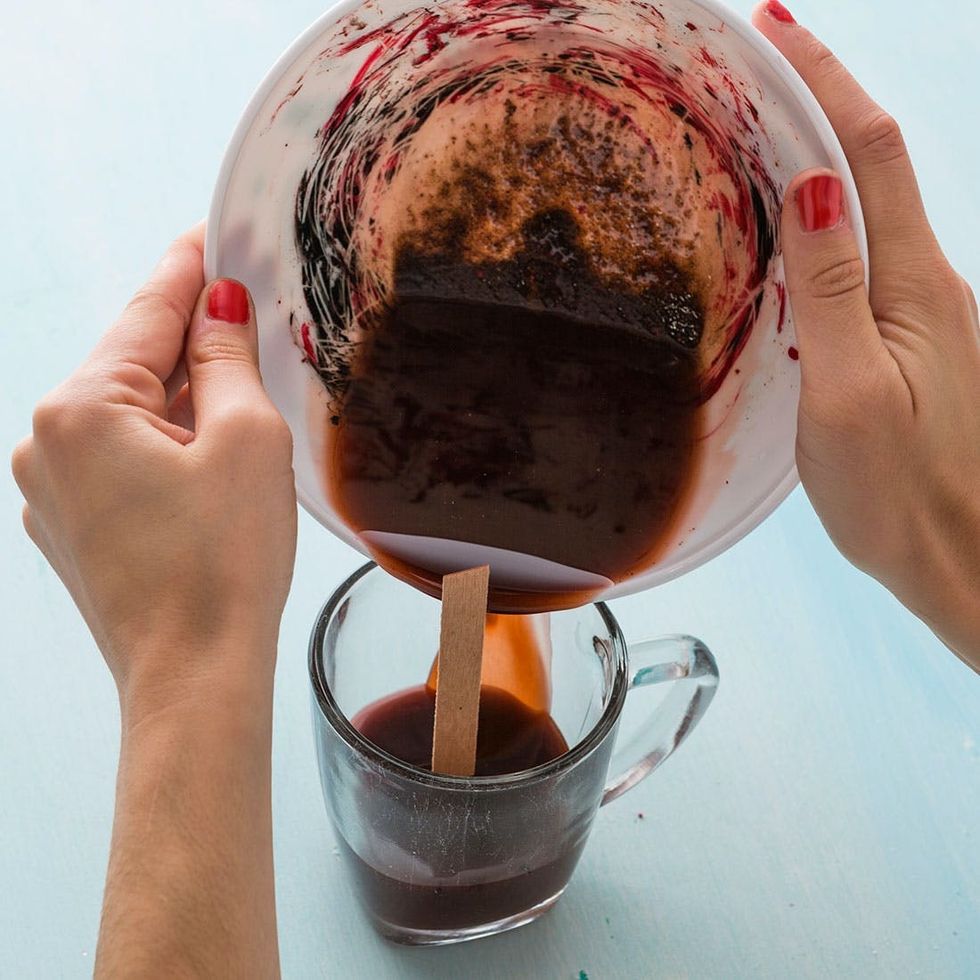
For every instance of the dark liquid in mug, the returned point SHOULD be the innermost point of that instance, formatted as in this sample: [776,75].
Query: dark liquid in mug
[523,405]
[511,737]
[412,906]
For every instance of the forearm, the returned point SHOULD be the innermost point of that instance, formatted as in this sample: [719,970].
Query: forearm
[189,891]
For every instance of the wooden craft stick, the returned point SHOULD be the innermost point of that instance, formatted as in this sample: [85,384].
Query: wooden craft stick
[464,614]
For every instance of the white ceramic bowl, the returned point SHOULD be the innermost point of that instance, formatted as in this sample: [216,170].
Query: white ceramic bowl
[748,461]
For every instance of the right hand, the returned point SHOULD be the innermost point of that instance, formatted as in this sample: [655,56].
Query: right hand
[888,445]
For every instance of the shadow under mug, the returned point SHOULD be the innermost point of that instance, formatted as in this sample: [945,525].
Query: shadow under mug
[440,859]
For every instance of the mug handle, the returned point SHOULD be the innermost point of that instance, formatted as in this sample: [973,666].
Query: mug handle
[685,660]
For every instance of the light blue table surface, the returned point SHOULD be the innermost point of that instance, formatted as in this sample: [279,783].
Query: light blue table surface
[825,819]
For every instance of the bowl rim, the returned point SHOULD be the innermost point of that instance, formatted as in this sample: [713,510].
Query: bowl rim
[754,513]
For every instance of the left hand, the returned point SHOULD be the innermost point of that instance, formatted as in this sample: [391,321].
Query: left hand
[168,509]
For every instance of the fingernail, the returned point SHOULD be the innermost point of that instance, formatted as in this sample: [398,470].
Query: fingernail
[820,203]
[778,12]
[228,301]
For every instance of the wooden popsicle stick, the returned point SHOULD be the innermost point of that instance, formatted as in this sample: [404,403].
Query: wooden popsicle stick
[464,614]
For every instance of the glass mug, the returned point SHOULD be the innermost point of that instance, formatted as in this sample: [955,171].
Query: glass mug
[441,859]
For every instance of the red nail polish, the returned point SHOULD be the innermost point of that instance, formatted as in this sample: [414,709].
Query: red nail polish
[820,203]
[778,12]
[228,301]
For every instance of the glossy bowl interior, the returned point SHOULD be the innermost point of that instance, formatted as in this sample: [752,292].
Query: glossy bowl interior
[737,79]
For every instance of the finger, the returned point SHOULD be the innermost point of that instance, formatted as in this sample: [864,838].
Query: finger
[896,221]
[181,410]
[176,433]
[177,381]
[222,356]
[150,332]
[836,331]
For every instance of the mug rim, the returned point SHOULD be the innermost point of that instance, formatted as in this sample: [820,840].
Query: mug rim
[330,710]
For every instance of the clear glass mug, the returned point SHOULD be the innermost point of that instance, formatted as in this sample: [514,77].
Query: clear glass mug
[441,859]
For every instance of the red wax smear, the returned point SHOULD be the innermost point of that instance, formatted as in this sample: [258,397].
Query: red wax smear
[391,164]
[737,97]
[709,59]
[781,293]
[724,418]
[516,659]
[308,344]
[289,95]
[434,41]
[794,354]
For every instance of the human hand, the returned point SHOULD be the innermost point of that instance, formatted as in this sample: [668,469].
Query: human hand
[888,446]
[168,509]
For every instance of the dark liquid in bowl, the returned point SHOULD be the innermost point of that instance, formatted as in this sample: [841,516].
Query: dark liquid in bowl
[523,405]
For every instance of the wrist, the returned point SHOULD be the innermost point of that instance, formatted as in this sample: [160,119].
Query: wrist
[163,681]
[940,581]
[954,620]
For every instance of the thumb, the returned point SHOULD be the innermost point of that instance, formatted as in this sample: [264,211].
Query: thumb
[825,278]
[221,354]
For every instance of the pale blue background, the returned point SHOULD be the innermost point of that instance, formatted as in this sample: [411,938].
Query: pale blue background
[822,822]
